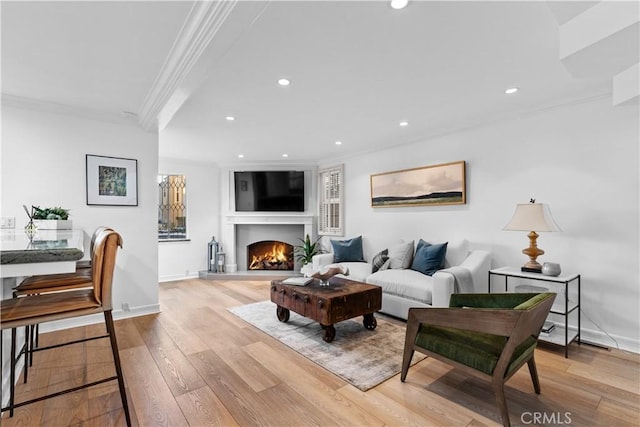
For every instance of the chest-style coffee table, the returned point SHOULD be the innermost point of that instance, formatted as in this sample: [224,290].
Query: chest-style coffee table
[343,299]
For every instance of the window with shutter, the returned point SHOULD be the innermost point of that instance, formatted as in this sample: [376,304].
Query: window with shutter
[330,204]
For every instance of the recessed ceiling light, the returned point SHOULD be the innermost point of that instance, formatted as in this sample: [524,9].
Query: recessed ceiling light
[284,82]
[241,156]
[511,90]
[285,155]
[230,118]
[404,123]
[338,142]
[399,4]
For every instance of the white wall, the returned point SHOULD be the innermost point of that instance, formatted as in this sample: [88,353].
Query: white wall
[177,260]
[582,160]
[43,163]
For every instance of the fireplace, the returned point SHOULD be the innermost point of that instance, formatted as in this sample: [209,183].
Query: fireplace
[239,231]
[270,255]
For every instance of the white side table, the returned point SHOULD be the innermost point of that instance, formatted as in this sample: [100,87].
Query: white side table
[560,335]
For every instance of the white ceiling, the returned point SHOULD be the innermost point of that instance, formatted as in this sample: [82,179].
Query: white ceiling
[357,69]
[98,56]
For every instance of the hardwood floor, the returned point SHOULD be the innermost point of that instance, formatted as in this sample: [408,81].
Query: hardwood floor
[196,364]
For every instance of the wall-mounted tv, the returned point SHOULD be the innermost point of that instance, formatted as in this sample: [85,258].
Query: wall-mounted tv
[269,191]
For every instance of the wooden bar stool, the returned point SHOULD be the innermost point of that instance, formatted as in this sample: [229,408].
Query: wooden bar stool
[44,283]
[39,308]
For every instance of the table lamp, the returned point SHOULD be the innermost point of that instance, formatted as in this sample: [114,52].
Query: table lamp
[532,217]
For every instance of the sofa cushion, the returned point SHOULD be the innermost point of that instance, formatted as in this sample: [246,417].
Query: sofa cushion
[379,260]
[457,252]
[401,255]
[422,243]
[404,283]
[348,250]
[429,258]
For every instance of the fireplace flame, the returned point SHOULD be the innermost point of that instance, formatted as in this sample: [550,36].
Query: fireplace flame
[276,255]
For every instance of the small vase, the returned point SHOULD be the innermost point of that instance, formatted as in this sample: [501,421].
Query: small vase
[307,270]
[551,269]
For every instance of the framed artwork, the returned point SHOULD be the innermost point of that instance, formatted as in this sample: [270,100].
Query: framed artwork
[112,181]
[443,184]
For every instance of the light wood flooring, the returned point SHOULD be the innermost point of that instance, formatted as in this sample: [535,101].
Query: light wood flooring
[196,364]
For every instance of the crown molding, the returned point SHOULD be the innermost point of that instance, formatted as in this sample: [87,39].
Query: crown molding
[203,22]
[15,101]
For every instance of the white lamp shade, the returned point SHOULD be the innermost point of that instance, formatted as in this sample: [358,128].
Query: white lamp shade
[532,217]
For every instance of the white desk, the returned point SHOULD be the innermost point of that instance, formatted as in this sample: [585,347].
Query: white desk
[46,252]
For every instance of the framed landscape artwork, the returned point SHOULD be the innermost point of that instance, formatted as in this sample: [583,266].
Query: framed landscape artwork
[443,184]
[112,181]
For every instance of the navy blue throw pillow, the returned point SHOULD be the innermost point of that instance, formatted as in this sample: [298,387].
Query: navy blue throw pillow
[421,243]
[348,250]
[429,258]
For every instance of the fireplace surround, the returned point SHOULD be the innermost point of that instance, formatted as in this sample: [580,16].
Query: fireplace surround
[242,230]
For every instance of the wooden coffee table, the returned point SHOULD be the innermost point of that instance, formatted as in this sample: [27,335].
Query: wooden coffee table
[343,299]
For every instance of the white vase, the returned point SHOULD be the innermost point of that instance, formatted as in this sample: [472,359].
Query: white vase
[52,224]
[551,269]
[307,270]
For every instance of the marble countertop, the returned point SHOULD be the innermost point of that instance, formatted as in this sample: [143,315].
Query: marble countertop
[16,247]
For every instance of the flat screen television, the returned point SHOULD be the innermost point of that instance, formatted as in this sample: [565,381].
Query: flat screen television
[269,191]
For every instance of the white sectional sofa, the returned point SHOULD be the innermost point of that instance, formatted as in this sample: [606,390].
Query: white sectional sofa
[464,270]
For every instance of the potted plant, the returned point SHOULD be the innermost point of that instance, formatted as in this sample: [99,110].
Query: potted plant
[304,253]
[55,218]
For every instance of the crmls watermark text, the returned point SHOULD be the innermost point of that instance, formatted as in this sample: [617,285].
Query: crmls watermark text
[546,418]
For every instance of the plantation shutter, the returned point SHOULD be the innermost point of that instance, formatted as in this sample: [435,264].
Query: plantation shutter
[330,206]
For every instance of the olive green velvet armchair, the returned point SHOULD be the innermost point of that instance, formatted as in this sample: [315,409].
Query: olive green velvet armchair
[486,335]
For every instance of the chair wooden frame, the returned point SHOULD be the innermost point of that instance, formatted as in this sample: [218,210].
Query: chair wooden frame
[515,324]
[40,308]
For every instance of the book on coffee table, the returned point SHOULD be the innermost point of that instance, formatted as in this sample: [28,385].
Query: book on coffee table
[298,281]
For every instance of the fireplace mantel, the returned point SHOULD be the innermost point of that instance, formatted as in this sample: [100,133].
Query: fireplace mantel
[229,230]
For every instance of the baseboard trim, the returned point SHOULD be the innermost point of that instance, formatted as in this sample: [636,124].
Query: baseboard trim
[600,339]
[174,277]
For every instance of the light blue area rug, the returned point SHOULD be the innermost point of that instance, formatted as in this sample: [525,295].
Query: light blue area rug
[361,357]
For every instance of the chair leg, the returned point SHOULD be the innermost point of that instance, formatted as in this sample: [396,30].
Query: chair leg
[498,387]
[534,374]
[12,374]
[406,362]
[25,350]
[108,318]
[33,343]
[409,341]
[37,334]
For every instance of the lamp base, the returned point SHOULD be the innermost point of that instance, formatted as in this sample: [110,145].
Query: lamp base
[533,252]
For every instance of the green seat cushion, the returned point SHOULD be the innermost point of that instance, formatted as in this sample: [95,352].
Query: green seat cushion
[496,300]
[474,349]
